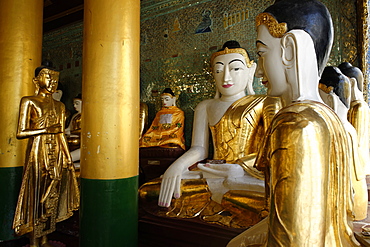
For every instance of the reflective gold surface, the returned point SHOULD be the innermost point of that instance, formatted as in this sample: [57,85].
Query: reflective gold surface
[21,44]
[276,29]
[143,118]
[358,116]
[111,51]
[242,128]
[49,191]
[236,138]
[312,172]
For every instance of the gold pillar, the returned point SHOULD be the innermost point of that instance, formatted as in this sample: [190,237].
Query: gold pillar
[20,54]
[110,89]
[110,123]
[20,46]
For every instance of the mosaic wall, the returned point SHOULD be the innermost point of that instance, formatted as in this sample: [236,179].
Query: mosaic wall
[177,40]
[64,48]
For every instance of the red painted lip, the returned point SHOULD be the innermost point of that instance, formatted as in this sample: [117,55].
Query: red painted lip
[264,82]
[227,85]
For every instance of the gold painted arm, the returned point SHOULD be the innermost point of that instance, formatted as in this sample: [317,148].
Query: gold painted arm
[24,130]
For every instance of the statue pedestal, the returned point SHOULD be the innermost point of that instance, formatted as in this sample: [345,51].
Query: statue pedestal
[159,231]
[154,161]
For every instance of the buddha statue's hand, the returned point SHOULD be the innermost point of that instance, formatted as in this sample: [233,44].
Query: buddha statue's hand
[170,186]
[221,170]
[54,129]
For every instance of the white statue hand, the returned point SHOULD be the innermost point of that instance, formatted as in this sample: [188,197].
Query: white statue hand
[222,170]
[171,185]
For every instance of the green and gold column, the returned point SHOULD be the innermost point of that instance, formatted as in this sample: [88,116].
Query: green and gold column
[20,54]
[110,120]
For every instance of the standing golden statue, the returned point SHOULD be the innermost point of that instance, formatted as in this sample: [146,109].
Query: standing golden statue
[304,152]
[49,191]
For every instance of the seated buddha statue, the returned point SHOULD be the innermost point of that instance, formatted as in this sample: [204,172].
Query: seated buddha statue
[358,114]
[167,128]
[237,123]
[304,153]
[73,131]
[337,88]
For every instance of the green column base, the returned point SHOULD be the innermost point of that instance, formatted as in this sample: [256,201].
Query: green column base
[10,184]
[109,212]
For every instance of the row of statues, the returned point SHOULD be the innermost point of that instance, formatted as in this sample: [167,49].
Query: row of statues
[292,163]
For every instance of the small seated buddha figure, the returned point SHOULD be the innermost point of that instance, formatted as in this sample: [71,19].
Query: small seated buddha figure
[358,113]
[335,90]
[164,141]
[227,190]
[73,131]
[167,128]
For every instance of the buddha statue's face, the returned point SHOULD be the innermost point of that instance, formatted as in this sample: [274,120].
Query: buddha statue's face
[48,80]
[168,100]
[57,95]
[270,67]
[231,73]
[77,104]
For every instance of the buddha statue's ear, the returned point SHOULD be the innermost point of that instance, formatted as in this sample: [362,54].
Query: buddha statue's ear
[347,91]
[299,59]
[251,71]
[289,59]
[353,82]
[35,81]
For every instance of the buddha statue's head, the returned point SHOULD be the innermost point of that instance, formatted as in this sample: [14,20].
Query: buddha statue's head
[58,94]
[232,69]
[353,72]
[332,80]
[168,98]
[294,39]
[46,80]
[77,103]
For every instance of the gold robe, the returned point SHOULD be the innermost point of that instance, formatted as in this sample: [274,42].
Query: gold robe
[167,129]
[241,130]
[76,124]
[358,116]
[238,134]
[49,190]
[306,155]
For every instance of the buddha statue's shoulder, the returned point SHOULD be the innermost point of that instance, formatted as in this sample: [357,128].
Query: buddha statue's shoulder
[305,113]
[170,110]
[267,100]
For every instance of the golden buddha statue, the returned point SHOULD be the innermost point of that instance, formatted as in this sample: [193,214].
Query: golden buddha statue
[49,191]
[304,153]
[358,114]
[338,88]
[167,128]
[238,123]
